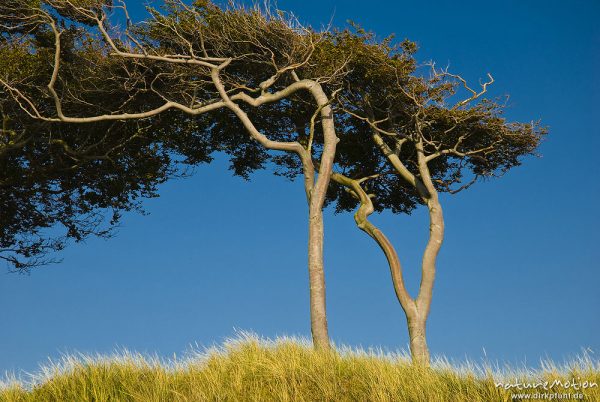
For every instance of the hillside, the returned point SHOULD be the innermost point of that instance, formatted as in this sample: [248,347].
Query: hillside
[253,369]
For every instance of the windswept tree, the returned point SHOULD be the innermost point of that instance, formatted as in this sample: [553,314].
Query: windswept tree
[198,66]
[411,137]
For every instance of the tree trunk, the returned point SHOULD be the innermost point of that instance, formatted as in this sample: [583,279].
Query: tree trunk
[416,321]
[316,199]
[418,342]
[316,274]
[428,265]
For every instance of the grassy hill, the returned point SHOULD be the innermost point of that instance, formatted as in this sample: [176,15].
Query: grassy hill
[253,369]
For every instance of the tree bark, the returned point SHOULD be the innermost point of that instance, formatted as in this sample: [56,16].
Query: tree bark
[316,275]
[428,264]
[417,333]
[316,199]
[418,341]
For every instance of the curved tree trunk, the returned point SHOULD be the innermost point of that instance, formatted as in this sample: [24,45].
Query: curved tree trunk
[417,325]
[416,311]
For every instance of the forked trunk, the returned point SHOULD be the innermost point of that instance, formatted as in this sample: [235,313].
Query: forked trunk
[416,311]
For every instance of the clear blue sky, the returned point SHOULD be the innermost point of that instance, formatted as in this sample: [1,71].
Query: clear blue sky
[518,274]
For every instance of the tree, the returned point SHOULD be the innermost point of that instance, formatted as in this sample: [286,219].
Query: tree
[249,65]
[410,140]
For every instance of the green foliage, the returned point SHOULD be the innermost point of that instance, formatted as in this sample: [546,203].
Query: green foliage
[249,369]
[16,62]
[363,75]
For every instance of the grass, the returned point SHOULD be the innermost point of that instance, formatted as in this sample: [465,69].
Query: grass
[252,369]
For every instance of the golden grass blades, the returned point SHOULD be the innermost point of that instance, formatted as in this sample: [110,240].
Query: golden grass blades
[250,368]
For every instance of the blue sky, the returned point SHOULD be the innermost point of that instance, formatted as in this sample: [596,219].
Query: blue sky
[518,274]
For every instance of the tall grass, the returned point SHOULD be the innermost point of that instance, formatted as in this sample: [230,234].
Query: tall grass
[252,369]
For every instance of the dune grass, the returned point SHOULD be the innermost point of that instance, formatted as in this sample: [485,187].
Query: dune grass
[252,369]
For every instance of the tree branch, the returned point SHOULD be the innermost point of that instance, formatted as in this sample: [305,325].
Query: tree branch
[361,218]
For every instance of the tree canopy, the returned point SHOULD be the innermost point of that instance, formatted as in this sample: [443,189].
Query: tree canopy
[379,88]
